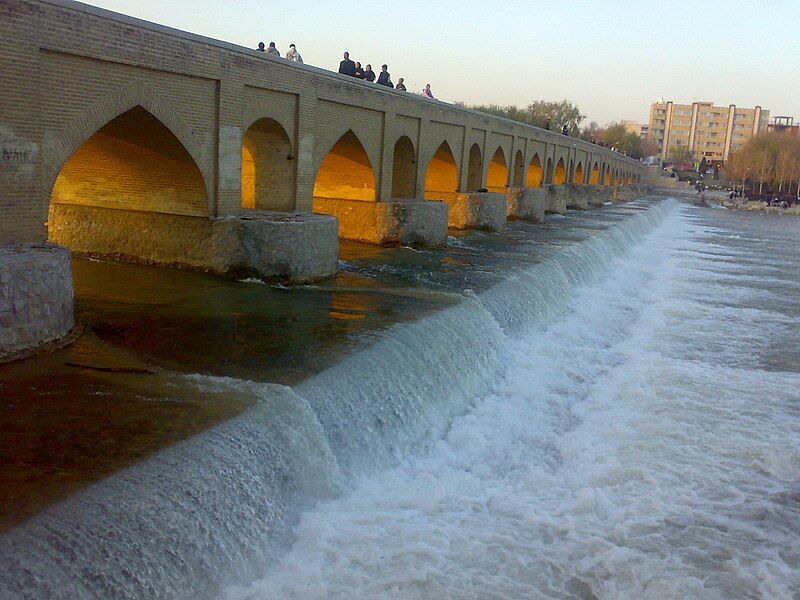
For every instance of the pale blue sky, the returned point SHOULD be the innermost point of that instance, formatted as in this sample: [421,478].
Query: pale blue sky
[610,58]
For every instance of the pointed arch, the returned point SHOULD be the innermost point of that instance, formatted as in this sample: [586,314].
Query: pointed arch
[441,176]
[594,175]
[58,151]
[133,162]
[404,169]
[497,175]
[518,180]
[560,174]
[346,171]
[578,177]
[268,170]
[534,176]
[475,169]
[607,176]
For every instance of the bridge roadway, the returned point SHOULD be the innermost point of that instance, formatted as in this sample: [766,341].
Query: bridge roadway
[126,139]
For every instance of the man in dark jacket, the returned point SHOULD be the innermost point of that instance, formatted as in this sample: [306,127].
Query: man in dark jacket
[384,78]
[347,66]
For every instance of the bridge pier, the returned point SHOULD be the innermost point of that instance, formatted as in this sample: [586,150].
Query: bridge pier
[556,199]
[36,297]
[577,196]
[397,221]
[288,246]
[526,204]
[477,210]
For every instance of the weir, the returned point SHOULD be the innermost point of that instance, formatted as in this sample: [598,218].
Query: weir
[209,510]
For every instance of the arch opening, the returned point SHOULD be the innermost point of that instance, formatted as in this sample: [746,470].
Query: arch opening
[607,177]
[519,170]
[594,175]
[474,169]
[346,172]
[578,177]
[534,177]
[441,176]
[134,162]
[560,175]
[268,173]
[497,177]
[404,169]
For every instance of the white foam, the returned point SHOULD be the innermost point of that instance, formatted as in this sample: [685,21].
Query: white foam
[618,455]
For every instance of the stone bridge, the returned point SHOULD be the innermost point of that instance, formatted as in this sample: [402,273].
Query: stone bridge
[126,139]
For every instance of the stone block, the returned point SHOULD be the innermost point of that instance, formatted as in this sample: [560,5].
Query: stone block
[291,247]
[36,297]
[577,196]
[556,199]
[288,246]
[398,221]
[598,195]
[526,204]
[477,210]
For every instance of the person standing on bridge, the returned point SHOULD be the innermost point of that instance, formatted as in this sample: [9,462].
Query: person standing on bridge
[400,85]
[347,66]
[369,74]
[261,47]
[565,129]
[293,54]
[272,50]
[359,71]
[427,93]
[384,78]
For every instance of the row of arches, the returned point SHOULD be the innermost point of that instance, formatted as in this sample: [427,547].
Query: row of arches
[135,162]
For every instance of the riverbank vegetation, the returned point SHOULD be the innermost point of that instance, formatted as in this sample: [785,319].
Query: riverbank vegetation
[767,163]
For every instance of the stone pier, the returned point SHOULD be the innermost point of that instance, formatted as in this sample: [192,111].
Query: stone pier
[555,199]
[398,221]
[477,210]
[577,196]
[526,204]
[36,297]
[291,247]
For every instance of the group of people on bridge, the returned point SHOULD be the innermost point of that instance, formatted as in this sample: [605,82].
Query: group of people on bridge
[291,53]
[354,69]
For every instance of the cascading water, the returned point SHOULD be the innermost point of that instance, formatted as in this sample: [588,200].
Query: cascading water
[478,404]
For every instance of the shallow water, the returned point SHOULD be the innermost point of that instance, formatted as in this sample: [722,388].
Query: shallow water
[645,444]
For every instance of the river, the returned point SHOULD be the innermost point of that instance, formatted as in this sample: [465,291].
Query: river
[606,407]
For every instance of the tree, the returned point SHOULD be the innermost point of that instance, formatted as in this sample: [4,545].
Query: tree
[592,132]
[770,158]
[703,166]
[538,113]
[680,154]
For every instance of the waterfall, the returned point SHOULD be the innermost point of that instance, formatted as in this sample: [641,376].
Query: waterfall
[210,509]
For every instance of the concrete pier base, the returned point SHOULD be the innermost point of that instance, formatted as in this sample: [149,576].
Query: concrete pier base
[526,204]
[555,199]
[477,210]
[631,191]
[397,221]
[36,297]
[598,195]
[577,196]
[290,247]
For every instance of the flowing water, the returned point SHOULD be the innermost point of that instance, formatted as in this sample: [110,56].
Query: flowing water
[619,418]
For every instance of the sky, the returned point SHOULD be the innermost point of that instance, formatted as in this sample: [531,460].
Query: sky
[612,59]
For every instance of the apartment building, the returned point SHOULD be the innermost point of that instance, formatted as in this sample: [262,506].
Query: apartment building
[706,130]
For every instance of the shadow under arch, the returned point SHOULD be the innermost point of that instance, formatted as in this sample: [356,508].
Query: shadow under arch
[441,176]
[518,180]
[497,175]
[475,169]
[268,168]
[534,177]
[594,175]
[346,172]
[560,174]
[578,177]
[133,162]
[404,169]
